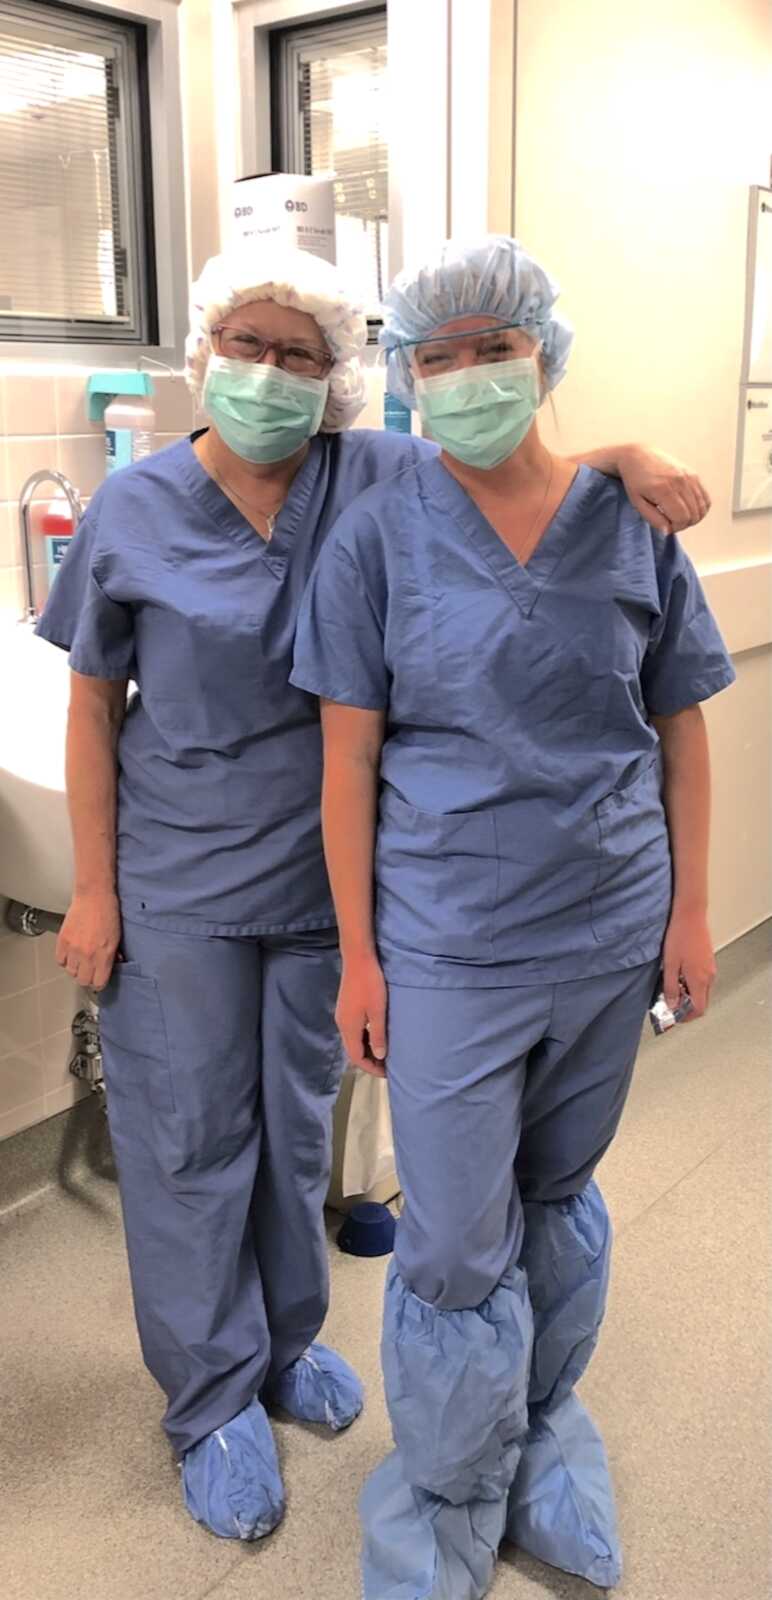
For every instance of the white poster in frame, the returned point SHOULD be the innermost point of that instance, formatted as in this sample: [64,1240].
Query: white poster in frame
[757,350]
[753,474]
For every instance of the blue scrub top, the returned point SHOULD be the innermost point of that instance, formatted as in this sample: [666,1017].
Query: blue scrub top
[522,833]
[219,759]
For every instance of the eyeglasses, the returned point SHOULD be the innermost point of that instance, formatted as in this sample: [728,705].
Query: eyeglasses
[240,344]
[445,352]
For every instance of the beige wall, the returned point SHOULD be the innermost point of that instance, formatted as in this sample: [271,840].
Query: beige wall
[639,128]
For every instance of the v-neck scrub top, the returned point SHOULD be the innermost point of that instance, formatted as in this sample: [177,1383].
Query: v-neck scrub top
[219,759]
[522,833]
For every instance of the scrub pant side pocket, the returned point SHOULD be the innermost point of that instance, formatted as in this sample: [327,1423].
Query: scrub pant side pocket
[133,1028]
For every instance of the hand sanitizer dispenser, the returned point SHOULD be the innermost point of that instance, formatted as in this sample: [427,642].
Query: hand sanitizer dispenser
[122,401]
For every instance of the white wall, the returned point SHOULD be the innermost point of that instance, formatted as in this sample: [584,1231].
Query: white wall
[639,128]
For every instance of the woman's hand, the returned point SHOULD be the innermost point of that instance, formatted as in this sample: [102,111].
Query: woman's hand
[688,956]
[665,492]
[89,938]
[361,1015]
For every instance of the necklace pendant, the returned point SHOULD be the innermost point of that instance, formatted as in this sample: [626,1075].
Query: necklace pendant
[271,522]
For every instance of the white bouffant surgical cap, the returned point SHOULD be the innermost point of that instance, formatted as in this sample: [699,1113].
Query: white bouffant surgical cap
[492,277]
[268,270]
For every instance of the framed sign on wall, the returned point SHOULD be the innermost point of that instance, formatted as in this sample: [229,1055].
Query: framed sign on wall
[753,466]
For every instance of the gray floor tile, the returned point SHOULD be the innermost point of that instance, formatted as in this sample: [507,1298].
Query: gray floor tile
[680,1382]
[89,1495]
[694,1085]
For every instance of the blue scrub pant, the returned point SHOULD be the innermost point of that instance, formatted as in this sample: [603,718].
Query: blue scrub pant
[222,1064]
[503,1101]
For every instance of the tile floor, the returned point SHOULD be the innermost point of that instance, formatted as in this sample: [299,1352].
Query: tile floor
[89,1498]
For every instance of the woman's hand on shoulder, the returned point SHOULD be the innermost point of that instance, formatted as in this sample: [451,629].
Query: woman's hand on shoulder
[89,938]
[664,491]
[361,1014]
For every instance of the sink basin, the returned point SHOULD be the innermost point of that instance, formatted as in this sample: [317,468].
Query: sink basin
[35,849]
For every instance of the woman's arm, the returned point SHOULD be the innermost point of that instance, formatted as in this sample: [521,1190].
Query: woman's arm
[352,756]
[688,949]
[667,494]
[91,930]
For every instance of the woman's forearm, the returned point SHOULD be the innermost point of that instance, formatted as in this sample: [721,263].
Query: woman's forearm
[687,804]
[349,805]
[606,460]
[353,740]
[92,737]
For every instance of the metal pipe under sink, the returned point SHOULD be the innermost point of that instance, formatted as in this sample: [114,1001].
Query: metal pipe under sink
[46,475]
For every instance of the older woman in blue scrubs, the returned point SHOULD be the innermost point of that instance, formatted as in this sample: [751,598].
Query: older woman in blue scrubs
[199,861]
[510,665]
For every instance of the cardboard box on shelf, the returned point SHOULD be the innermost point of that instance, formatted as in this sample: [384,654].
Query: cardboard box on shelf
[287,206]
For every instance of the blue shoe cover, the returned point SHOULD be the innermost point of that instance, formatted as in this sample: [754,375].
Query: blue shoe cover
[231,1480]
[319,1387]
[418,1546]
[561,1505]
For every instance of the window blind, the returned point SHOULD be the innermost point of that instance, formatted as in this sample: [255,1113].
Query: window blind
[69,228]
[335,75]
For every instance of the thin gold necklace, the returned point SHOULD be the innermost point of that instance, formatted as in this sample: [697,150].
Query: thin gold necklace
[268,517]
[528,549]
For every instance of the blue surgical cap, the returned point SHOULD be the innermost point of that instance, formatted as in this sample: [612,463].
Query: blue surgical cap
[492,277]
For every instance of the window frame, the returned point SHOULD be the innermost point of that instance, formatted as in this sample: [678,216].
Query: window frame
[287,45]
[256,22]
[164,217]
[121,42]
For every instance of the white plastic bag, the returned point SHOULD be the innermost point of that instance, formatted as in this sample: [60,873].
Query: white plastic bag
[368,1155]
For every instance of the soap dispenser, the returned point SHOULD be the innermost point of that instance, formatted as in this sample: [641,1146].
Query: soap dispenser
[122,401]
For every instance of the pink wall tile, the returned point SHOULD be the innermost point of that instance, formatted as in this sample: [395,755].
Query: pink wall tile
[21,1078]
[6,492]
[20,1021]
[18,964]
[26,456]
[45,955]
[30,406]
[82,460]
[11,590]
[59,999]
[56,1054]
[63,1098]
[173,405]
[70,397]
[9,539]
[21,1117]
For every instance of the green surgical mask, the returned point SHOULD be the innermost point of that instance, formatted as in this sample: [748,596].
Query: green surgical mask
[262,413]
[481,414]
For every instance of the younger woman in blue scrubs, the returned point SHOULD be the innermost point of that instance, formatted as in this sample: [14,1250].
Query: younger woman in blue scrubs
[198,853]
[510,665]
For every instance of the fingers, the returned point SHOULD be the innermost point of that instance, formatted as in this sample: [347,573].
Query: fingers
[102,973]
[678,510]
[91,971]
[376,1034]
[352,1032]
[372,1068]
[671,979]
[364,1042]
[699,984]
[681,502]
